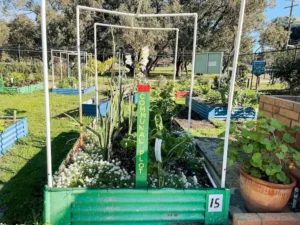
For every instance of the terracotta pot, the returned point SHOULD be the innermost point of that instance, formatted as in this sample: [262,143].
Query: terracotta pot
[181,94]
[262,196]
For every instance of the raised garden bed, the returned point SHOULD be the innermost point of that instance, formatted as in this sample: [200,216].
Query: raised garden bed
[135,206]
[89,107]
[22,90]
[220,113]
[13,133]
[71,91]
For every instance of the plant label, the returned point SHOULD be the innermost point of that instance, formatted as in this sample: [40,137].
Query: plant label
[215,203]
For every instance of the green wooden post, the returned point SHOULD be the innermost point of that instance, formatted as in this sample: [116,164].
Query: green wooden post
[142,135]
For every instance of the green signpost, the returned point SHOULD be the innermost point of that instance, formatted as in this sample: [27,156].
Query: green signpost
[142,135]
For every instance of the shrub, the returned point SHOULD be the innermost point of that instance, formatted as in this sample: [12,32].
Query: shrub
[261,153]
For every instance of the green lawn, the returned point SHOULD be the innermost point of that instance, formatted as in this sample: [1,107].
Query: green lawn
[23,167]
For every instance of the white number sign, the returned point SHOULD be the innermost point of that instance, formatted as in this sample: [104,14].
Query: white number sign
[215,203]
[213,63]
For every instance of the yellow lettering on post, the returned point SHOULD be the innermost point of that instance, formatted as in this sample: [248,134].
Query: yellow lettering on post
[142,121]
[143,109]
[142,102]
[142,134]
[143,115]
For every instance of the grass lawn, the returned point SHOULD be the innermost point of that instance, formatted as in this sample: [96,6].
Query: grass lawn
[23,168]
[210,133]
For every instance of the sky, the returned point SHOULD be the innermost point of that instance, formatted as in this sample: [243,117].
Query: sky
[279,10]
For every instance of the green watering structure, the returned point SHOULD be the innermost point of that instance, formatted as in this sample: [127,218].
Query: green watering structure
[19,90]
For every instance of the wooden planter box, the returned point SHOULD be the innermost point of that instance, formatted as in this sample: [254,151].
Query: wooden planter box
[22,90]
[220,113]
[181,94]
[12,134]
[70,91]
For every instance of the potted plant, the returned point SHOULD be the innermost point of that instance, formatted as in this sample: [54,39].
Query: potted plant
[265,160]
[181,89]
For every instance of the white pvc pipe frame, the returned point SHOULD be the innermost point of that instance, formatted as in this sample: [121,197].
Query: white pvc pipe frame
[67,53]
[46,85]
[133,28]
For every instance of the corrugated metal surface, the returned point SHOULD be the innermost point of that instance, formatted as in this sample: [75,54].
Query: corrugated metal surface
[131,206]
[23,90]
[12,134]
[69,91]
[220,113]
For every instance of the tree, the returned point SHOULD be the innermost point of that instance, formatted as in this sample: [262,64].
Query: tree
[274,36]
[286,67]
[4,32]
[22,32]
[284,23]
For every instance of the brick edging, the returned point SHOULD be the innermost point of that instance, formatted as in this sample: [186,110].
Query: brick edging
[266,219]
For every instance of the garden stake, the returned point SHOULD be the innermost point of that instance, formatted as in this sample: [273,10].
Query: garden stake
[142,135]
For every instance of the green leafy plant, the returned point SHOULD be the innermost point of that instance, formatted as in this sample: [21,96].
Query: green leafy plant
[69,82]
[262,153]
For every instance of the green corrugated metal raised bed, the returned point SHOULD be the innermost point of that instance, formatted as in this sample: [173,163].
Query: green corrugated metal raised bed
[134,206]
[22,90]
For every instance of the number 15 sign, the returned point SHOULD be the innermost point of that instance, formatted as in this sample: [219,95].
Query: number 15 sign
[215,203]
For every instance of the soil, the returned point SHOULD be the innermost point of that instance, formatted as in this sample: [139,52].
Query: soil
[196,122]
[209,145]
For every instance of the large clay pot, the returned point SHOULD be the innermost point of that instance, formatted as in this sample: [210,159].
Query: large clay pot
[262,196]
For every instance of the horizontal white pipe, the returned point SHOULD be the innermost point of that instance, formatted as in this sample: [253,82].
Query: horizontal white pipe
[136,28]
[167,15]
[105,11]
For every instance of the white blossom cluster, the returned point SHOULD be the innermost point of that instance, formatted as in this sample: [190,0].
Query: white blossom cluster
[174,180]
[90,170]
[144,58]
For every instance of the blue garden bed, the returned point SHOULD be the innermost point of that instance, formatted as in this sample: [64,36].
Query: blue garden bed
[89,107]
[70,91]
[12,134]
[220,113]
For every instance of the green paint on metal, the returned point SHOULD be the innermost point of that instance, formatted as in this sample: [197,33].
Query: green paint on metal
[209,63]
[133,206]
[1,81]
[142,135]
[22,90]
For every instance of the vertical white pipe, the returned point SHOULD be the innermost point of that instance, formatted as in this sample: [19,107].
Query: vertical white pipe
[221,68]
[86,74]
[68,64]
[232,82]
[79,71]
[61,76]
[96,71]
[52,64]
[193,71]
[176,55]
[46,91]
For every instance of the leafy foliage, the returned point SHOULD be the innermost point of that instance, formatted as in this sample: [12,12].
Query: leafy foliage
[262,153]
[287,68]
[69,82]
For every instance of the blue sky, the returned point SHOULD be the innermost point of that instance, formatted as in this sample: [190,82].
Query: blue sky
[281,11]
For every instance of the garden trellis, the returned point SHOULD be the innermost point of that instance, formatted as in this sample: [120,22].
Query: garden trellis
[133,28]
[212,212]
[67,55]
